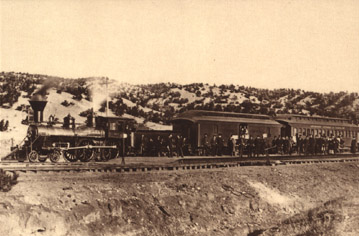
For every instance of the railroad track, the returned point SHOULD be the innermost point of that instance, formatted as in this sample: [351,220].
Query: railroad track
[175,165]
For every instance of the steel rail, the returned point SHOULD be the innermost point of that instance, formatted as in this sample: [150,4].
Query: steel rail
[173,166]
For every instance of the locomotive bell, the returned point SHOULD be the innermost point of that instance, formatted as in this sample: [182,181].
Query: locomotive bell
[38,106]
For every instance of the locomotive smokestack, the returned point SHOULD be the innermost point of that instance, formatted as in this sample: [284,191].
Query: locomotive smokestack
[38,104]
[38,100]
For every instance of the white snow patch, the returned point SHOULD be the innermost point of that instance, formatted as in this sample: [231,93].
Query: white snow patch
[305,100]
[283,100]
[185,94]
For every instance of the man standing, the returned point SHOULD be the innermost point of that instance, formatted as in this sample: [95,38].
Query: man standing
[169,145]
[214,145]
[179,146]
[232,145]
[256,146]
[220,145]
[299,145]
[241,145]
[274,145]
[158,144]
[250,146]
[311,145]
[205,144]
[353,146]
[142,145]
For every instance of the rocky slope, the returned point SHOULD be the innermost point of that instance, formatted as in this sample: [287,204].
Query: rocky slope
[279,200]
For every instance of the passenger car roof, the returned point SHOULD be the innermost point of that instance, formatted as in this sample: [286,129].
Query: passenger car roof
[199,115]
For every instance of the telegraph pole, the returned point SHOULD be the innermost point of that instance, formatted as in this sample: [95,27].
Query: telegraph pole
[107,96]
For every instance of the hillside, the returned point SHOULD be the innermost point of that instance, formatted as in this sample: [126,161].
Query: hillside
[316,199]
[153,105]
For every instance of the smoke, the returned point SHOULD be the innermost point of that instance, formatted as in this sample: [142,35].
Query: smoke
[98,93]
[40,94]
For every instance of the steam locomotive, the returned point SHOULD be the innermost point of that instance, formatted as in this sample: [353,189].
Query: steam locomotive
[102,137]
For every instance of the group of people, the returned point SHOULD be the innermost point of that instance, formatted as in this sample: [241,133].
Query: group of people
[302,145]
[215,146]
[177,145]
[163,146]
[318,145]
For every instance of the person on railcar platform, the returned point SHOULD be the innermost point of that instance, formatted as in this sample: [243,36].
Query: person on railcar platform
[231,145]
[299,145]
[264,144]
[206,147]
[274,145]
[150,147]
[325,145]
[214,146]
[250,146]
[179,146]
[220,143]
[353,145]
[318,145]
[306,145]
[336,145]
[279,144]
[256,144]
[341,142]
[331,145]
[186,147]
[290,145]
[158,146]
[285,145]
[241,146]
[142,145]
[311,145]
[170,145]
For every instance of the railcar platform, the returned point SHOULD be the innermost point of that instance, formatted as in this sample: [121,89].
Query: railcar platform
[164,160]
[140,164]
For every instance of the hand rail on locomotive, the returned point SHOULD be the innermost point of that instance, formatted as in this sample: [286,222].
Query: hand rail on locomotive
[67,147]
[91,146]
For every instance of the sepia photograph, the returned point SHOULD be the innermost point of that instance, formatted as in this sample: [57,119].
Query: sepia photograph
[179,117]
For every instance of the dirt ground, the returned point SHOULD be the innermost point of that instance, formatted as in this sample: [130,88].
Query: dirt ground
[317,199]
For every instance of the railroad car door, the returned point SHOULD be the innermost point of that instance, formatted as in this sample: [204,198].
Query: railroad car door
[285,131]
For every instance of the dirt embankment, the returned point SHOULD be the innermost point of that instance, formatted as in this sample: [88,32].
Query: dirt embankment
[281,200]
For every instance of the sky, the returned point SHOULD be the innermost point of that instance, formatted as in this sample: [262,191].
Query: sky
[300,44]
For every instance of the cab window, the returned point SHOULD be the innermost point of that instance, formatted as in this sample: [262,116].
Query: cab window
[112,126]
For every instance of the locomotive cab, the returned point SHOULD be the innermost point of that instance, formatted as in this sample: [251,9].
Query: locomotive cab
[115,127]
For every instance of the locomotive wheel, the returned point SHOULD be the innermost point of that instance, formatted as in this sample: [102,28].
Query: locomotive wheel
[54,156]
[70,156]
[33,156]
[106,154]
[97,154]
[86,154]
[114,153]
[110,153]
